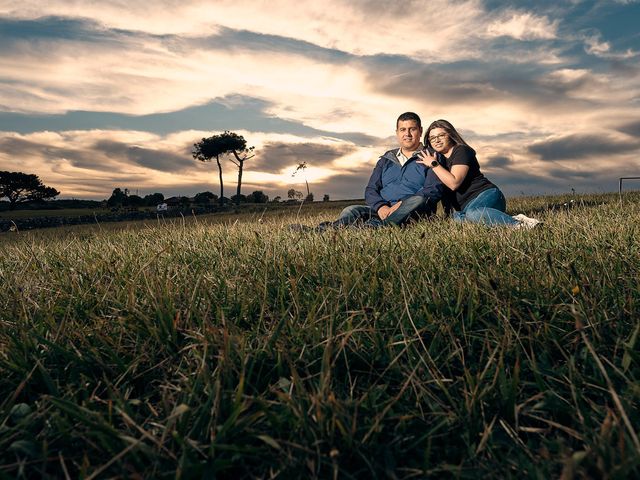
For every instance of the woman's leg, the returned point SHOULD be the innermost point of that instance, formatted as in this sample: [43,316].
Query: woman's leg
[487,208]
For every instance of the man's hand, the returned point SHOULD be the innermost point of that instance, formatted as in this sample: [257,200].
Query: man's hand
[385,211]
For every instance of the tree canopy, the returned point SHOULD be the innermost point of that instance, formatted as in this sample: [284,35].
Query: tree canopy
[21,187]
[216,145]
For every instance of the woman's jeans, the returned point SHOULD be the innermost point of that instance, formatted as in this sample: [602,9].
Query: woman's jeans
[366,217]
[487,208]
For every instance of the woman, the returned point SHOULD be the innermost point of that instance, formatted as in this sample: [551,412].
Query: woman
[472,195]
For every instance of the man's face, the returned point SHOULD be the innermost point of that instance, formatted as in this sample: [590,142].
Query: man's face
[409,134]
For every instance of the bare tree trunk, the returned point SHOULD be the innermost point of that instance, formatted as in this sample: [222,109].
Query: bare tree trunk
[240,165]
[221,183]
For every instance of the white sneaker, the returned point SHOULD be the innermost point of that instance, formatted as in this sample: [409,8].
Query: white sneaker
[526,222]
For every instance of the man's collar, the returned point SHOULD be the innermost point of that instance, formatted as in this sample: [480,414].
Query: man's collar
[399,154]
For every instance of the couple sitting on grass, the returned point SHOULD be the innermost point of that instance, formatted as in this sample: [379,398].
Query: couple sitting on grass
[407,183]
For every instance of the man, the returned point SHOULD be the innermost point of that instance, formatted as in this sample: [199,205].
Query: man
[399,188]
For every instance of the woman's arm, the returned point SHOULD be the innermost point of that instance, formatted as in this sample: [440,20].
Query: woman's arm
[452,179]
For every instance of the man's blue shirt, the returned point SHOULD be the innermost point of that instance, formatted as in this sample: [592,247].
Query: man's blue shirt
[391,182]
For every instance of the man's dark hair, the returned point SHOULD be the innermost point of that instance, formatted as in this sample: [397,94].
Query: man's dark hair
[409,116]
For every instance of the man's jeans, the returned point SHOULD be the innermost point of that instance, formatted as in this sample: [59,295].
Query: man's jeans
[487,208]
[362,215]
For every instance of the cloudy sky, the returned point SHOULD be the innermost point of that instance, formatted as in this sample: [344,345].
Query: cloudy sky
[102,94]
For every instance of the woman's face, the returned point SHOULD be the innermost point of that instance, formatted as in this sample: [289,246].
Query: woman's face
[440,140]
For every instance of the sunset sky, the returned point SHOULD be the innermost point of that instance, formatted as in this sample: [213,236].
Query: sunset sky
[102,94]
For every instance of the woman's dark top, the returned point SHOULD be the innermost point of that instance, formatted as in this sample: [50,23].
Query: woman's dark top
[474,183]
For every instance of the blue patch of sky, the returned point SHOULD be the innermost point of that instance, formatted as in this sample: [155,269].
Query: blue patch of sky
[617,22]
[50,28]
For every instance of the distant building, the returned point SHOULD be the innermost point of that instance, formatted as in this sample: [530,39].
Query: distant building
[176,203]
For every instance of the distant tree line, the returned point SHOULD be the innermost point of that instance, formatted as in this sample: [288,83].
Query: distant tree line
[29,191]
[122,198]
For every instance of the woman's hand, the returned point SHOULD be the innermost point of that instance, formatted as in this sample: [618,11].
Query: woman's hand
[426,158]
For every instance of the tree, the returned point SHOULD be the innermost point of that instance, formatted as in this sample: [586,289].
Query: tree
[21,187]
[241,153]
[205,198]
[135,201]
[238,199]
[153,199]
[118,197]
[257,197]
[309,197]
[226,143]
[325,198]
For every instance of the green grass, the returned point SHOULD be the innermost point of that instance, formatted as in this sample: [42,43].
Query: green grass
[242,350]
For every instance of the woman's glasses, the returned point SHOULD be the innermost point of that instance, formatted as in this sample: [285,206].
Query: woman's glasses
[438,137]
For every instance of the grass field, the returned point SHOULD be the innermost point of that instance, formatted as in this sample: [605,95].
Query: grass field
[17,214]
[191,349]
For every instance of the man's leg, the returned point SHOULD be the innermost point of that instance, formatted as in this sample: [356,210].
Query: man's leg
[351,215]
[413,204]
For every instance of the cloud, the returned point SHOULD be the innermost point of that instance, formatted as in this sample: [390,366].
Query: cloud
[353,27]
[168,82]
[227,113]
[145,157]
[594,45]
[274,156]
[497,161]
[345,185]
[631,128]
[577,147]
[523,26]
[516,183]
[153,74]
[85,162]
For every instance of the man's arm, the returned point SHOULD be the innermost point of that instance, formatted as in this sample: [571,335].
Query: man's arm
[433,188]
[372,195]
